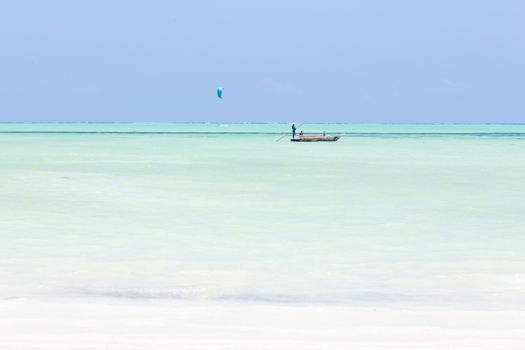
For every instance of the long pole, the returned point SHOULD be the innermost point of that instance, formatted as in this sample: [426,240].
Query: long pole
[280,138]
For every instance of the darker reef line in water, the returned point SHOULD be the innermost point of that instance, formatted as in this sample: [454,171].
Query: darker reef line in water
[248,133]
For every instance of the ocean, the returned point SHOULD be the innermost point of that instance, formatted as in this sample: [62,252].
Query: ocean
[388,215]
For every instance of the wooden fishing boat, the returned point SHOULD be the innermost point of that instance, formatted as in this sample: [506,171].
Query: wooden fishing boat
[315,138]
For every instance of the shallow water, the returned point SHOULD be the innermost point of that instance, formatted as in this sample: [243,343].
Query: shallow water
[389,214]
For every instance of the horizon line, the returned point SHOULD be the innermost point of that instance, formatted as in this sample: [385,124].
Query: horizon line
[254,122]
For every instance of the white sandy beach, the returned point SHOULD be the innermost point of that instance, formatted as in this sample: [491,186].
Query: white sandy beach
[36,324]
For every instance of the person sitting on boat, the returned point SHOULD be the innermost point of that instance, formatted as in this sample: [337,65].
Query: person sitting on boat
[301,134]
[293,131]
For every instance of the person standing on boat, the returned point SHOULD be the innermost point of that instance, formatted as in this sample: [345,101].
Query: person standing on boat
[293,131]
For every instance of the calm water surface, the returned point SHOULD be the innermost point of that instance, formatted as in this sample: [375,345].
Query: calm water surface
[388,214]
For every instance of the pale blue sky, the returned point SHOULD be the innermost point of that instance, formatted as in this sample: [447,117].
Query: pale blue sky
[343,61]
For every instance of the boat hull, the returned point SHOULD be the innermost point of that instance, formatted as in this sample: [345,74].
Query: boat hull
[319,138]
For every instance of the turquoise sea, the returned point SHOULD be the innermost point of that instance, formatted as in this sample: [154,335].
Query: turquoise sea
[389,214]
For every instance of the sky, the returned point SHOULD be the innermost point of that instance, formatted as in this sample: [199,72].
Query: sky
[374,61]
